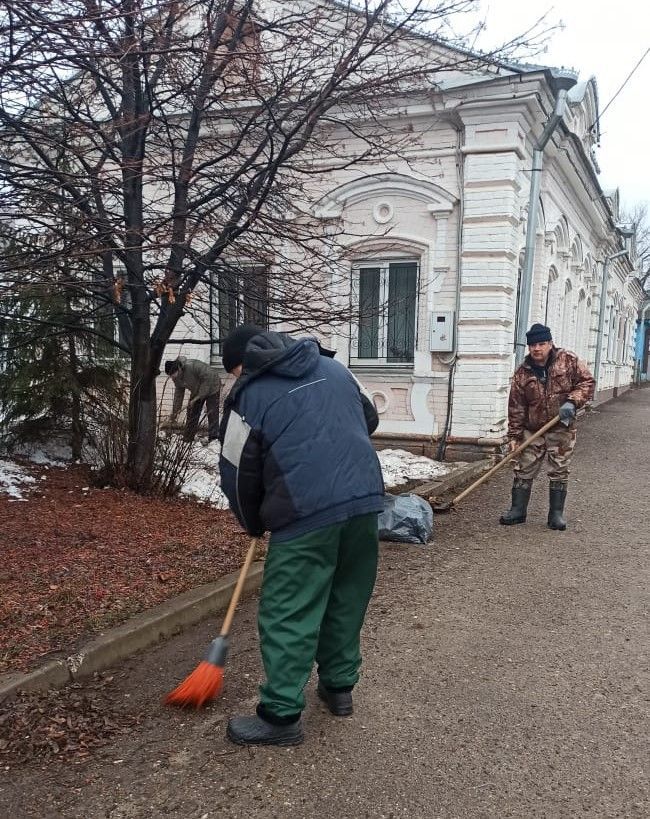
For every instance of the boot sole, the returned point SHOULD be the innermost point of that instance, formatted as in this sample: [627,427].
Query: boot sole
[512,522]
[282,742]
[556,528]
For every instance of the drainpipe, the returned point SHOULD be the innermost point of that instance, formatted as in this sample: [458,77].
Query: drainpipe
[460,177]
[601,315]
[562,83]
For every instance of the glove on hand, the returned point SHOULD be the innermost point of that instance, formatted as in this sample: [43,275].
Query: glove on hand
[567,412]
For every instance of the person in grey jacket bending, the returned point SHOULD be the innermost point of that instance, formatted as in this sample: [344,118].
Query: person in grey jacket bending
[204,385]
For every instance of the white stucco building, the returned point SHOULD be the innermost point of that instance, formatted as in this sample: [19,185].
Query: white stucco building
[434,249]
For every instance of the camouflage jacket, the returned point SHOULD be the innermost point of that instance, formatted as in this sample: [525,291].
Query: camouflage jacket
[532,402]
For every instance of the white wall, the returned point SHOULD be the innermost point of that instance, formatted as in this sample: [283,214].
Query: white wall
[470,175]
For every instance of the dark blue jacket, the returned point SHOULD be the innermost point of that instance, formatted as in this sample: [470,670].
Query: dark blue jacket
[295,448]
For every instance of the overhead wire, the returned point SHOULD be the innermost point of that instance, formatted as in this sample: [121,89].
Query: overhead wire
[625,82]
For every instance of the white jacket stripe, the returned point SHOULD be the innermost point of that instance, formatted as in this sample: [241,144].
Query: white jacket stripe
[237,432]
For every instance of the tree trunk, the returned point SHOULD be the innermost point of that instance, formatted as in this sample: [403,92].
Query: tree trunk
[76,442]
[77,435]
[142,402]
[142,433]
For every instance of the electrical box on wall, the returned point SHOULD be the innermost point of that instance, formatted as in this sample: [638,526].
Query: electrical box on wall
[441,334]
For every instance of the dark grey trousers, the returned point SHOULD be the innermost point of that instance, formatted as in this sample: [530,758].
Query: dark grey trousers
[193,416]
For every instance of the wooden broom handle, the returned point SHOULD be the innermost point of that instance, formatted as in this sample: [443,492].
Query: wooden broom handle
[508,458]
[243,572]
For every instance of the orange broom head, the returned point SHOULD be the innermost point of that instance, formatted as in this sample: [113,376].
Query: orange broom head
[202,685]
[206,681]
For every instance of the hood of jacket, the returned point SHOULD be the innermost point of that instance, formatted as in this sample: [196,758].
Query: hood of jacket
[276,353]
[280,354]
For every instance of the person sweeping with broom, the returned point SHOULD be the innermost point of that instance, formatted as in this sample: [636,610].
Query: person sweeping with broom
[297,461]
[550,382]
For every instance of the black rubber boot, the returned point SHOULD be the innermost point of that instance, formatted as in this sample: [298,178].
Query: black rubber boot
[339,702]
[257,731]
[556,500]
[520,496]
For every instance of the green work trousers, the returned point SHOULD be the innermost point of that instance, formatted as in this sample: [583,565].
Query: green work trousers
[314,597]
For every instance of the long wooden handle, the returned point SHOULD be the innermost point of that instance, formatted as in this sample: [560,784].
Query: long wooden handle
[250,555]
[507,459]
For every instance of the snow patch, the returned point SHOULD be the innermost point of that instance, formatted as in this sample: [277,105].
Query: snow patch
[12,478]
[203,481]
[51,453]
[399,466]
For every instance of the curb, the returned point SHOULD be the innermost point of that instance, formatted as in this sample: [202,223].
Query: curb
[456,479]
[137,633]
[168,618]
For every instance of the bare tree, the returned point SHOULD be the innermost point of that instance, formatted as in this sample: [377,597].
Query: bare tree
[185,141]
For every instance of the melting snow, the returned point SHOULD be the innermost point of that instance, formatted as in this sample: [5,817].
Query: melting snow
[12,478]
[52,453]
[202,480]
[399,466]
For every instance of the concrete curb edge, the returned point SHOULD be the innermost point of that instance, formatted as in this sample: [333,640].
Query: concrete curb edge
[139,632]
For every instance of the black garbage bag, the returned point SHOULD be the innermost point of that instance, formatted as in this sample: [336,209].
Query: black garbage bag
[406,519]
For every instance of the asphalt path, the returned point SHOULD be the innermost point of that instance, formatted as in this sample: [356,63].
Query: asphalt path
[505,675]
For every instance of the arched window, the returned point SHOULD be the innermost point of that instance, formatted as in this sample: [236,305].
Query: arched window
[591,335]
[550,297]
[239,294]
[384,292]
[582,326]
[626,340]
[577,255]
[612,325]
[566,316]
[562,234]
[620,340]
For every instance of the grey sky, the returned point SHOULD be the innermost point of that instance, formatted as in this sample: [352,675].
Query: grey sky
[605,40]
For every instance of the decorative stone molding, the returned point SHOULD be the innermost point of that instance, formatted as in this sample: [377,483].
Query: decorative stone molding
[383,212]
[436,199]
[380,400]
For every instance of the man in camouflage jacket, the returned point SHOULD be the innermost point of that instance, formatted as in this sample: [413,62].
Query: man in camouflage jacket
[551,381]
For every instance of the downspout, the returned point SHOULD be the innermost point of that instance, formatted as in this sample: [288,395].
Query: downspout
[601,316]
[460,177]
[562,82]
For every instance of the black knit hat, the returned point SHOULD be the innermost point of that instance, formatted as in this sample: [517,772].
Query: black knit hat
[234,345]
[324,351]
[172,366]
[537,333]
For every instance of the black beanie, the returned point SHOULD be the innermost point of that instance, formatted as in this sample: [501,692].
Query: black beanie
[324,351]
[234,345]
[537,333]
[172,366]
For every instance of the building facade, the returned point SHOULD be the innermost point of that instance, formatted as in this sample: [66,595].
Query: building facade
[431,252]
